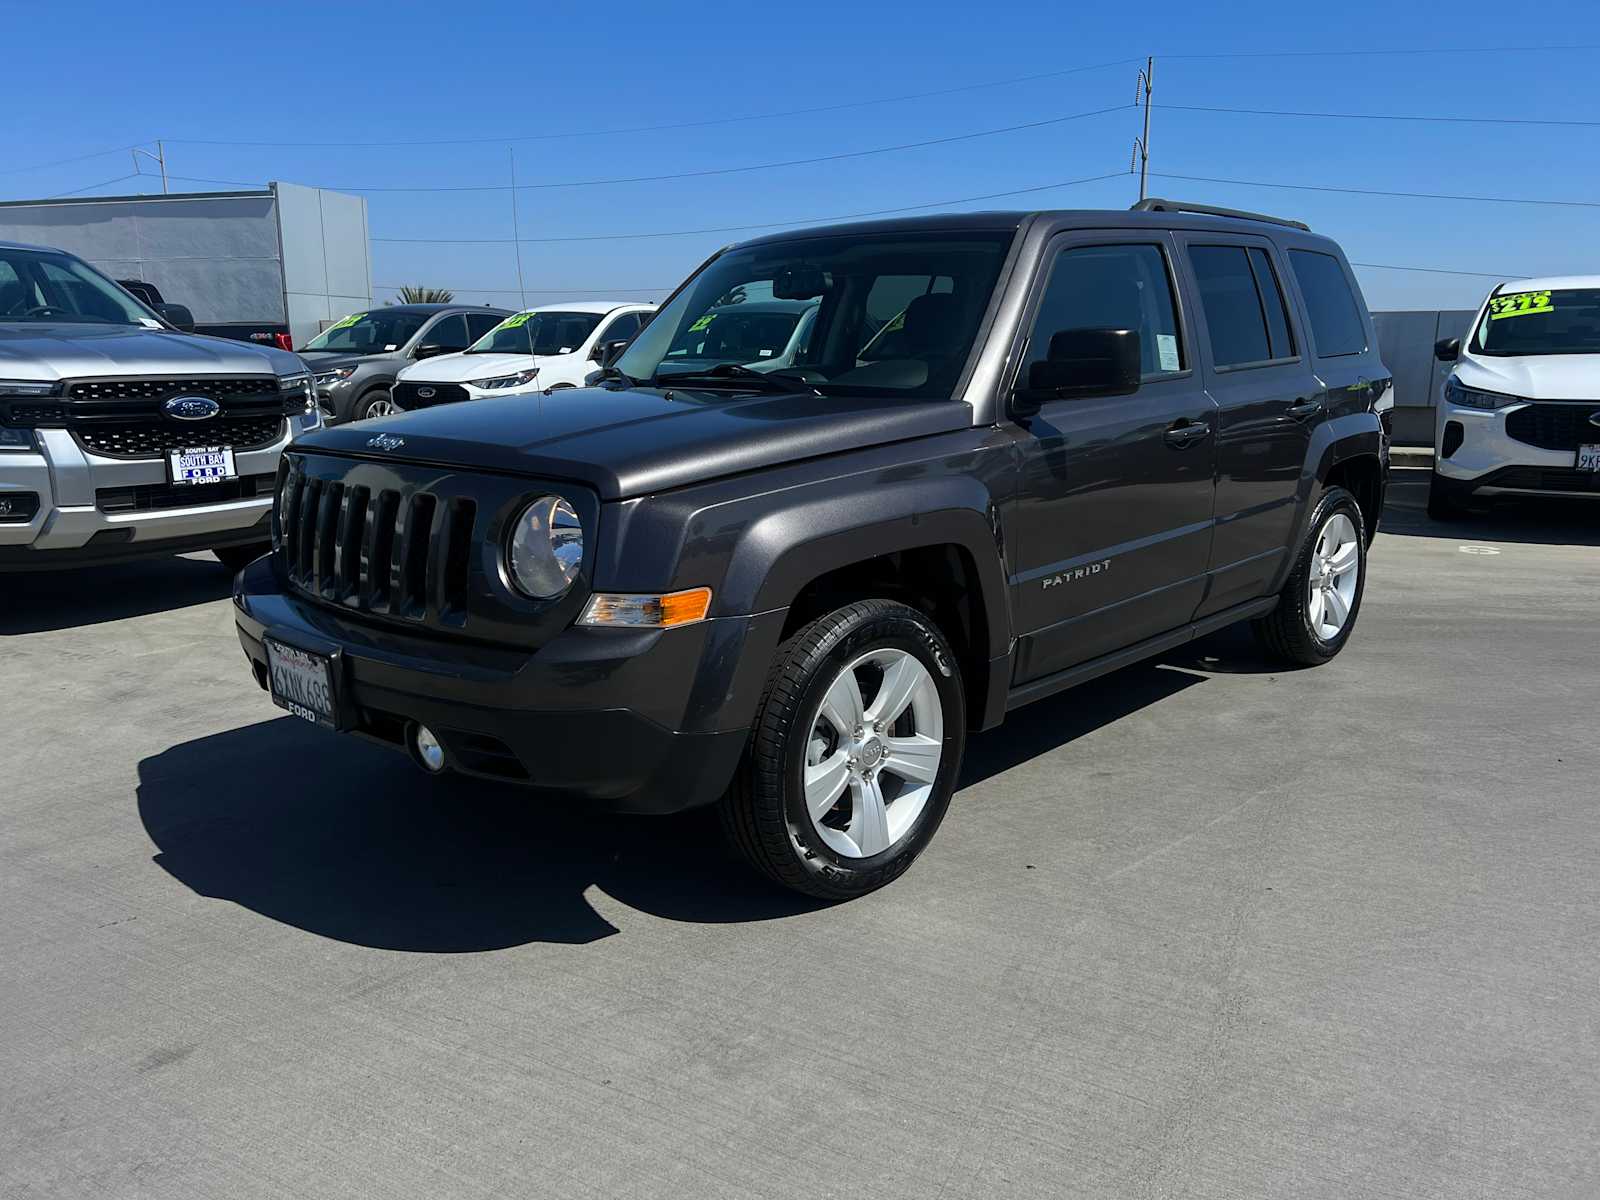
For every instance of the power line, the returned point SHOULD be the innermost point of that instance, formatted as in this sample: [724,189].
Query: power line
[874,212]
[771,166]
[1443,271]
[91,187]
[768,116]
[1308,187]
[1273,112]
[1382,53]
[60,162]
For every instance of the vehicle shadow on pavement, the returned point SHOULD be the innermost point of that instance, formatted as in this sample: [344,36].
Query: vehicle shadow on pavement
[351,841]
[1531,521]
[45,601]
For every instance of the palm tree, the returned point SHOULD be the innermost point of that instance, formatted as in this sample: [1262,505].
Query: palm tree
[425,295]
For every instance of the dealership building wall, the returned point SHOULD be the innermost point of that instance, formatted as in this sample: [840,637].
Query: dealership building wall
[288,255]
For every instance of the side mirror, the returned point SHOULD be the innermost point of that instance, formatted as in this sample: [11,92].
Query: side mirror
[1447,349]
[431,350]
[606,353]
[177,315]
[1082,363]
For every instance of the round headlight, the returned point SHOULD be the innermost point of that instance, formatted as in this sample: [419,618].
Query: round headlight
[546,548]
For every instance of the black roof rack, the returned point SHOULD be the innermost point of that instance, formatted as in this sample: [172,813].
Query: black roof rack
[1156,204]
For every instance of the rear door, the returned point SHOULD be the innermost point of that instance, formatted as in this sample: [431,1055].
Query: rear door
[1113,520]
[1268,403]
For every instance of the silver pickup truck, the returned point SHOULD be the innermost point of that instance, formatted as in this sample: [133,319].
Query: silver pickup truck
[121,437]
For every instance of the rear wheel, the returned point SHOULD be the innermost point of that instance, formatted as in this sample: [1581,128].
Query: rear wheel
[855,751]
[1317,607]
[236,558]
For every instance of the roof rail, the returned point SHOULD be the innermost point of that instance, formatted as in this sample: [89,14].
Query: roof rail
[1156,204]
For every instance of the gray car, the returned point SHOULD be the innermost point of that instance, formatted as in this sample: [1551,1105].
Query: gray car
[121,437]
[355,360]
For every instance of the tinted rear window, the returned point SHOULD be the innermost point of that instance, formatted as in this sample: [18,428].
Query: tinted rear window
[1336,326]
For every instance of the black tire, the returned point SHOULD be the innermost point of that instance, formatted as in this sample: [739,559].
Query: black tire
[764,812]
[237,558]
[362,410]
[1286,632]
[1445,499]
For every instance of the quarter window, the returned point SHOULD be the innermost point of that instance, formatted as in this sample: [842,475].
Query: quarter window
[1112,287]
[1336,325]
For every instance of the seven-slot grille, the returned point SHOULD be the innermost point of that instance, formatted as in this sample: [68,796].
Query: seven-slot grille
[1554,426]
[399,553]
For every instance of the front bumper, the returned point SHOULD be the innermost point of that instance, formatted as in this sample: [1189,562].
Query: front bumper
[649,721]
[76,524]
[1490,462]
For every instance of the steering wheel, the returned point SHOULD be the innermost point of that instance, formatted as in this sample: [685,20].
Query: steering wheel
[40,310]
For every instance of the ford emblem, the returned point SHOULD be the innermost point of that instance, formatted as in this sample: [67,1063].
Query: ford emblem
[385,441]
[1594,418]
[191,408]
[424,392]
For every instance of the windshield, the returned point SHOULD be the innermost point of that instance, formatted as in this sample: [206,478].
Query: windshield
[375,332]
[44,286]
[1565,321]
[538,333]
[814,309]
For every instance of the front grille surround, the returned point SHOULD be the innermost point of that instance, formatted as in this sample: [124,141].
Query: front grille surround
[151,439]
[1554,425]
[405,395]
[417,547]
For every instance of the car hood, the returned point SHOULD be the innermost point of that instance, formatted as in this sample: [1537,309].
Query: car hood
[68,351]
[628,442]
[1534,376]
[327,360]
[458,368]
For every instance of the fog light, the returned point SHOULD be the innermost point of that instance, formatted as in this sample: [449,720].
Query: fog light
[429,751]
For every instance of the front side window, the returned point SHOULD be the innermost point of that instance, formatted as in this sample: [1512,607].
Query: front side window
[801,312]
[1112,287]
[374,332]
[541,333]
[43,287]
[1336,325]
[448,332]
[1551,321]
[479,324]
[622,328]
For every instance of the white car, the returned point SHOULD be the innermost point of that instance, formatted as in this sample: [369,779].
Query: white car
[553,346]
[1520,413]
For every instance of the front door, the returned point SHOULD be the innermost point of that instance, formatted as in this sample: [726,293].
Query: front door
[1113,523]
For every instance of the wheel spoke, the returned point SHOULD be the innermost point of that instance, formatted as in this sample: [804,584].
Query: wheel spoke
[1344,558]
[869,824]
[900,683]
[1314,609]
[914,758]
[825,783]
[841,707]
[1338,608]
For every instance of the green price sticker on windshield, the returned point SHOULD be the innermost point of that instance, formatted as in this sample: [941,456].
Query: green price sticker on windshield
[1519,304]
[352,319]
[516,321]
[703,323]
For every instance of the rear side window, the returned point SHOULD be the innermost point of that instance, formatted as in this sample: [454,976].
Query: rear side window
[1236,315]
[1336,326]
[1272,303]
[1112,287]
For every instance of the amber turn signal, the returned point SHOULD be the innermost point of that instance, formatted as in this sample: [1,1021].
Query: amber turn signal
[647,611]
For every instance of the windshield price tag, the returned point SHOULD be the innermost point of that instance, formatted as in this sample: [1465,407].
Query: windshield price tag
[515,321]
[1520,304]
[703,323]
[352,319]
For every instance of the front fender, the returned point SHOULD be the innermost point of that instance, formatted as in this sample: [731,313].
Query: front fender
[1336,440]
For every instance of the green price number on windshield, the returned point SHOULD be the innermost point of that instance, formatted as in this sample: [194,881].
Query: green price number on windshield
[703,323]
[516,321]
[1520,304]
[352,319]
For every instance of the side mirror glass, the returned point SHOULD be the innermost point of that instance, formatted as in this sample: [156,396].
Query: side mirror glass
[431,350]
[1082,363]
[607,353]
[1447,349]
[177,315]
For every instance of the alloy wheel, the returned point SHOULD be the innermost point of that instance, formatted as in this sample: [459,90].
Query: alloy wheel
[1335,571]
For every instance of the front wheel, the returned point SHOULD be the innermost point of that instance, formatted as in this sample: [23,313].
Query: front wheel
[375,404]
[1317,607]
[855,751]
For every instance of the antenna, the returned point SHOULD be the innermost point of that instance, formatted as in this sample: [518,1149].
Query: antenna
[516,231]
[1141,145]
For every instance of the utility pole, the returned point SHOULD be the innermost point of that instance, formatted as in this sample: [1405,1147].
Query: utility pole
[160,156]
[516,228]
[1141,145]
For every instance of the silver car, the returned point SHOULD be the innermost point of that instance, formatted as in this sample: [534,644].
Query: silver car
[122,437]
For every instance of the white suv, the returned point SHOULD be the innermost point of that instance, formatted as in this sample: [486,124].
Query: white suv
[1520,413]
[554,346]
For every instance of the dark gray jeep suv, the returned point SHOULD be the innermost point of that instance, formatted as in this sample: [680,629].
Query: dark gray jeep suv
[1017,451]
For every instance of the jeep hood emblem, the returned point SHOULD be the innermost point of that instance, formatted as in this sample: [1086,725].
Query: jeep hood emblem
[385,441]
[191,408]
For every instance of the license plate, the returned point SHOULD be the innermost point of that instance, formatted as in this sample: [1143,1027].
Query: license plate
[301,682]
[202,464]
[1589,457]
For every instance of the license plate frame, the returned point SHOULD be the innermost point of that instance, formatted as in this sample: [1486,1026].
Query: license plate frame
[1588,458]
[219,465]
[304,681]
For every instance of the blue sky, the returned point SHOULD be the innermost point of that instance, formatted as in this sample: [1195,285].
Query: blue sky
[104,76]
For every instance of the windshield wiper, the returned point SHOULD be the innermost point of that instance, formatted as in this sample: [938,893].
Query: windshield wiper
[734,373]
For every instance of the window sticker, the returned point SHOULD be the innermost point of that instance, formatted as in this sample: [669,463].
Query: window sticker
[703,323]
[1167,351]
[515,321]
[1519,304]
[352,319]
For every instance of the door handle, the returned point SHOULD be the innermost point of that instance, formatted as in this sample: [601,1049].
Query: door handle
[1186,433]
[1303,408]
